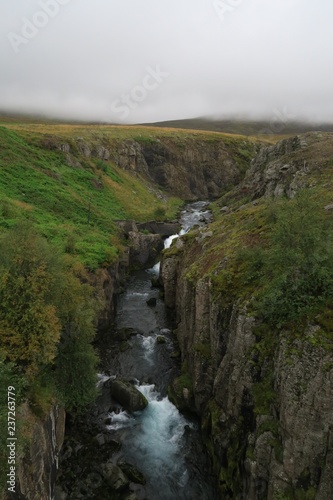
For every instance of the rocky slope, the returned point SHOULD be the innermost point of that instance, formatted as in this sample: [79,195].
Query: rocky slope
[264,395]
[36,471]
[75,184]
[191,169]
[188,167]
[284,168]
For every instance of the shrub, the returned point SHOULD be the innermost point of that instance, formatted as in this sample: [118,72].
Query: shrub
[296,269]
[47,319]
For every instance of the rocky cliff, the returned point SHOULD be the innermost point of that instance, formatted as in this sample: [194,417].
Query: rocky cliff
[37,470]
[284,168]
[188,167]
[264,395]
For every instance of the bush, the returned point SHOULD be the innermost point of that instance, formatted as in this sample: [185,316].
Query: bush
[160,213]
[297,266]
[29,326]
[47,320]
[76,359]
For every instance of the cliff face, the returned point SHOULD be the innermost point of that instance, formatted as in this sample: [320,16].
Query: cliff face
[37,469]
[259,449]
[284,168]
[264,398]
[189,168]
[108,283]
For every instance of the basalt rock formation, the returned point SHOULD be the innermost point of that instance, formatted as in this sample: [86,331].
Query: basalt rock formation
[36,473]
[186,167]
[265,400]
[189,168]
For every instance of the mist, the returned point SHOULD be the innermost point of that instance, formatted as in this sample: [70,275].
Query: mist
[124,61]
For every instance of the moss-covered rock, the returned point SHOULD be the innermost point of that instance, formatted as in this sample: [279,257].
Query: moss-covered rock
[127,395]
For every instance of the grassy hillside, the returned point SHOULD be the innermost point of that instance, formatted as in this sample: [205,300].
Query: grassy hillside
[75,206]
[263,247]
[267,263]
[274,130]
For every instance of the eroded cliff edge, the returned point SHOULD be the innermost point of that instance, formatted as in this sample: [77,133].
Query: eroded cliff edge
[193,166]
[101,165]
[264,394]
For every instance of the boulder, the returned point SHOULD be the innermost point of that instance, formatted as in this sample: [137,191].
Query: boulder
[156,282]
[127,395]
[124,334]
[131,496]
[152,302]
[127,226]
[132,473]
[115,477]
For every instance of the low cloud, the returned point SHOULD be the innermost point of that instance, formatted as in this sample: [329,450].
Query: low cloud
[128,61]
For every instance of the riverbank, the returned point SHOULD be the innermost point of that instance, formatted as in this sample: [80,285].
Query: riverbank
[160,444]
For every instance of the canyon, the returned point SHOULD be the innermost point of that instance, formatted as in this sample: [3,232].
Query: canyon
[264,400]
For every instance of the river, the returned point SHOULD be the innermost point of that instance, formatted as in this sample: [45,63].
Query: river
[159,441]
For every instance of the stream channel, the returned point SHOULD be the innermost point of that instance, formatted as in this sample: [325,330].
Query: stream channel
[159,441]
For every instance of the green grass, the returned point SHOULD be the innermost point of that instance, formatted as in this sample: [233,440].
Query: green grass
[62,201]
[76,207]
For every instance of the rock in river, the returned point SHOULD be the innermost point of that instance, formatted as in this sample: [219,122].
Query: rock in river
[127,395]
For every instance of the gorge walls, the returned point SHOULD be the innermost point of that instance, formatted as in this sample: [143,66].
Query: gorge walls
[265,439]
[37,469]
[188,167]
[264,394]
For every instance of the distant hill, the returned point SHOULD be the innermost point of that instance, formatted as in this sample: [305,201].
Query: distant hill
[249,128]
[267,130]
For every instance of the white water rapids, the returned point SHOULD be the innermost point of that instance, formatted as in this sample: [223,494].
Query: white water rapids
[156,440]
[155,444]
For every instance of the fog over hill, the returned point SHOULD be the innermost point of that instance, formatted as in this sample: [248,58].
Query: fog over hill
[275,126]
[131,62]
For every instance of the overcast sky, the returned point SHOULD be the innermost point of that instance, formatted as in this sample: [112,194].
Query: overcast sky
[131,61]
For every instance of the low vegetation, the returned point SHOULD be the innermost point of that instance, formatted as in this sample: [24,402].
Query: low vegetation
[57,224]
[47,324]
[276,257]
[58,213]
[296,269]
[73,207]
